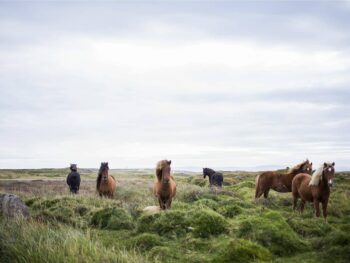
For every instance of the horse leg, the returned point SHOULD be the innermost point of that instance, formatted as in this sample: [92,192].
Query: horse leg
[317,207]
[302,205]
[324,209]
[169,203]
[266,193]
[295,202]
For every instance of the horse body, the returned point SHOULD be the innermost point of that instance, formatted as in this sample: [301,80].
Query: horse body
[215,178]
[280,182]
[315,188]
[165,186]
[73,179]
[106,184]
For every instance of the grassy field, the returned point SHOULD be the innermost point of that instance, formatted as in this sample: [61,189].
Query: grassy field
[202,226]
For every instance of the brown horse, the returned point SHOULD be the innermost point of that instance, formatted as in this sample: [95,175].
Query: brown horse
[165,187]
[106,183]
[280,182]
[314,188]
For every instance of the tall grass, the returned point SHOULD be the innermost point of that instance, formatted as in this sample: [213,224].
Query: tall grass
[23,241]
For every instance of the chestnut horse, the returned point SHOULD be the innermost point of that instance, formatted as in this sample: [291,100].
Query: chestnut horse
[165,187]
[314,188]
[280,182]
[106,183]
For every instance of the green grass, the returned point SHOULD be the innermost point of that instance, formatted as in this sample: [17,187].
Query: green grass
[202,226]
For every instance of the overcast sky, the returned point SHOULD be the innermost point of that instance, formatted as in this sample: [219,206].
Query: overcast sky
[215,84]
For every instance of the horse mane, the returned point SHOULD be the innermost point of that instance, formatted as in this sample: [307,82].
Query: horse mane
[317,175]
[99,177]
[160,165]
[297,167]
[210,171]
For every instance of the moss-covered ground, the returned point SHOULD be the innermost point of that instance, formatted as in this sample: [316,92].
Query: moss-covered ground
[202,226]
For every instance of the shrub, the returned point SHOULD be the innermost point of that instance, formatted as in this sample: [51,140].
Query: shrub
[230,210]
[146,241]
[206,203]
[206,222]
[310,227]
[171,223]
[271,231]
[240,250]
[112,218]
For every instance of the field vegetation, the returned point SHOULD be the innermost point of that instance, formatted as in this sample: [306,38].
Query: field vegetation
[202,226]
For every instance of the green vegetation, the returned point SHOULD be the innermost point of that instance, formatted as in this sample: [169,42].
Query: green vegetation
[202,226]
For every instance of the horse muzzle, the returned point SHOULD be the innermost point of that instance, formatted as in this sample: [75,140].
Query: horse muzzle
[330,183]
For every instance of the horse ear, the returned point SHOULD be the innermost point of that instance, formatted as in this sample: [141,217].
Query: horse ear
[324,164]
[169,162]
[310,163]
[333,163]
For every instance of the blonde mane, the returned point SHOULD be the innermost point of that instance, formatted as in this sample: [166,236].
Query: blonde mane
[161,164]
[297,167]
[316,176]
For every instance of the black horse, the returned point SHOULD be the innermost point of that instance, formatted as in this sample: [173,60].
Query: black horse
[215,178]
[73,179]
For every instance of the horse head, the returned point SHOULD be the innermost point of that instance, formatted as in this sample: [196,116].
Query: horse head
[306,167]
[205,172]
[104,171]
[166,172]
[328,173]
[73,167]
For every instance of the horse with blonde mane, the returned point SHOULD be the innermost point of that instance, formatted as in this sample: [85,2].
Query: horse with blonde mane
[165,186]
[315,188]
[105,184]
[280,182]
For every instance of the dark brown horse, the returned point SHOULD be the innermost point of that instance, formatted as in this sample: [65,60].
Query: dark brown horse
[165,187]
[280,182]
[314,188]
[105,184]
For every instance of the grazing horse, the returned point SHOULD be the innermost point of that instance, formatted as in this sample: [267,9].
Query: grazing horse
[73,179]
[280,182]
[215,178]
[165,187]
[314,188]
[105,184]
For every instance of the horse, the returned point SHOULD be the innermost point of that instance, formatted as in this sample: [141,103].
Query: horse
[215,178]
[315,188]
[73,179]
[280,182]
[165,187]
[105,183]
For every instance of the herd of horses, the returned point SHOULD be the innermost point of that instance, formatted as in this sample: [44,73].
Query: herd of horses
[300,180]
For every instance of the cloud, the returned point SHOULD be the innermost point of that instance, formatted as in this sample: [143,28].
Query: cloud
[171,89]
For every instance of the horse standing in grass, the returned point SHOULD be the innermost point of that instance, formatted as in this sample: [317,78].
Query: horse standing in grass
[215,178]
[165,186]
[106,184]
[314,188]
[73,179]
[280,182]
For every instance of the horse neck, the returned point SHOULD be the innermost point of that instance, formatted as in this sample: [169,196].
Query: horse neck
[323,184]
[293,173]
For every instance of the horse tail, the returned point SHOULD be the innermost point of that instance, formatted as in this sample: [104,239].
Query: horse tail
[257,186]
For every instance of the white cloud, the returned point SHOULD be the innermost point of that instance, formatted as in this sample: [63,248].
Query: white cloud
[132,101]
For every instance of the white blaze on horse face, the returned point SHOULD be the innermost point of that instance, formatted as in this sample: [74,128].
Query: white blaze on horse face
[330,182]
[330,169]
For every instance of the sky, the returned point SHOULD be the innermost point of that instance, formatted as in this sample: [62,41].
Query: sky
[221,84]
